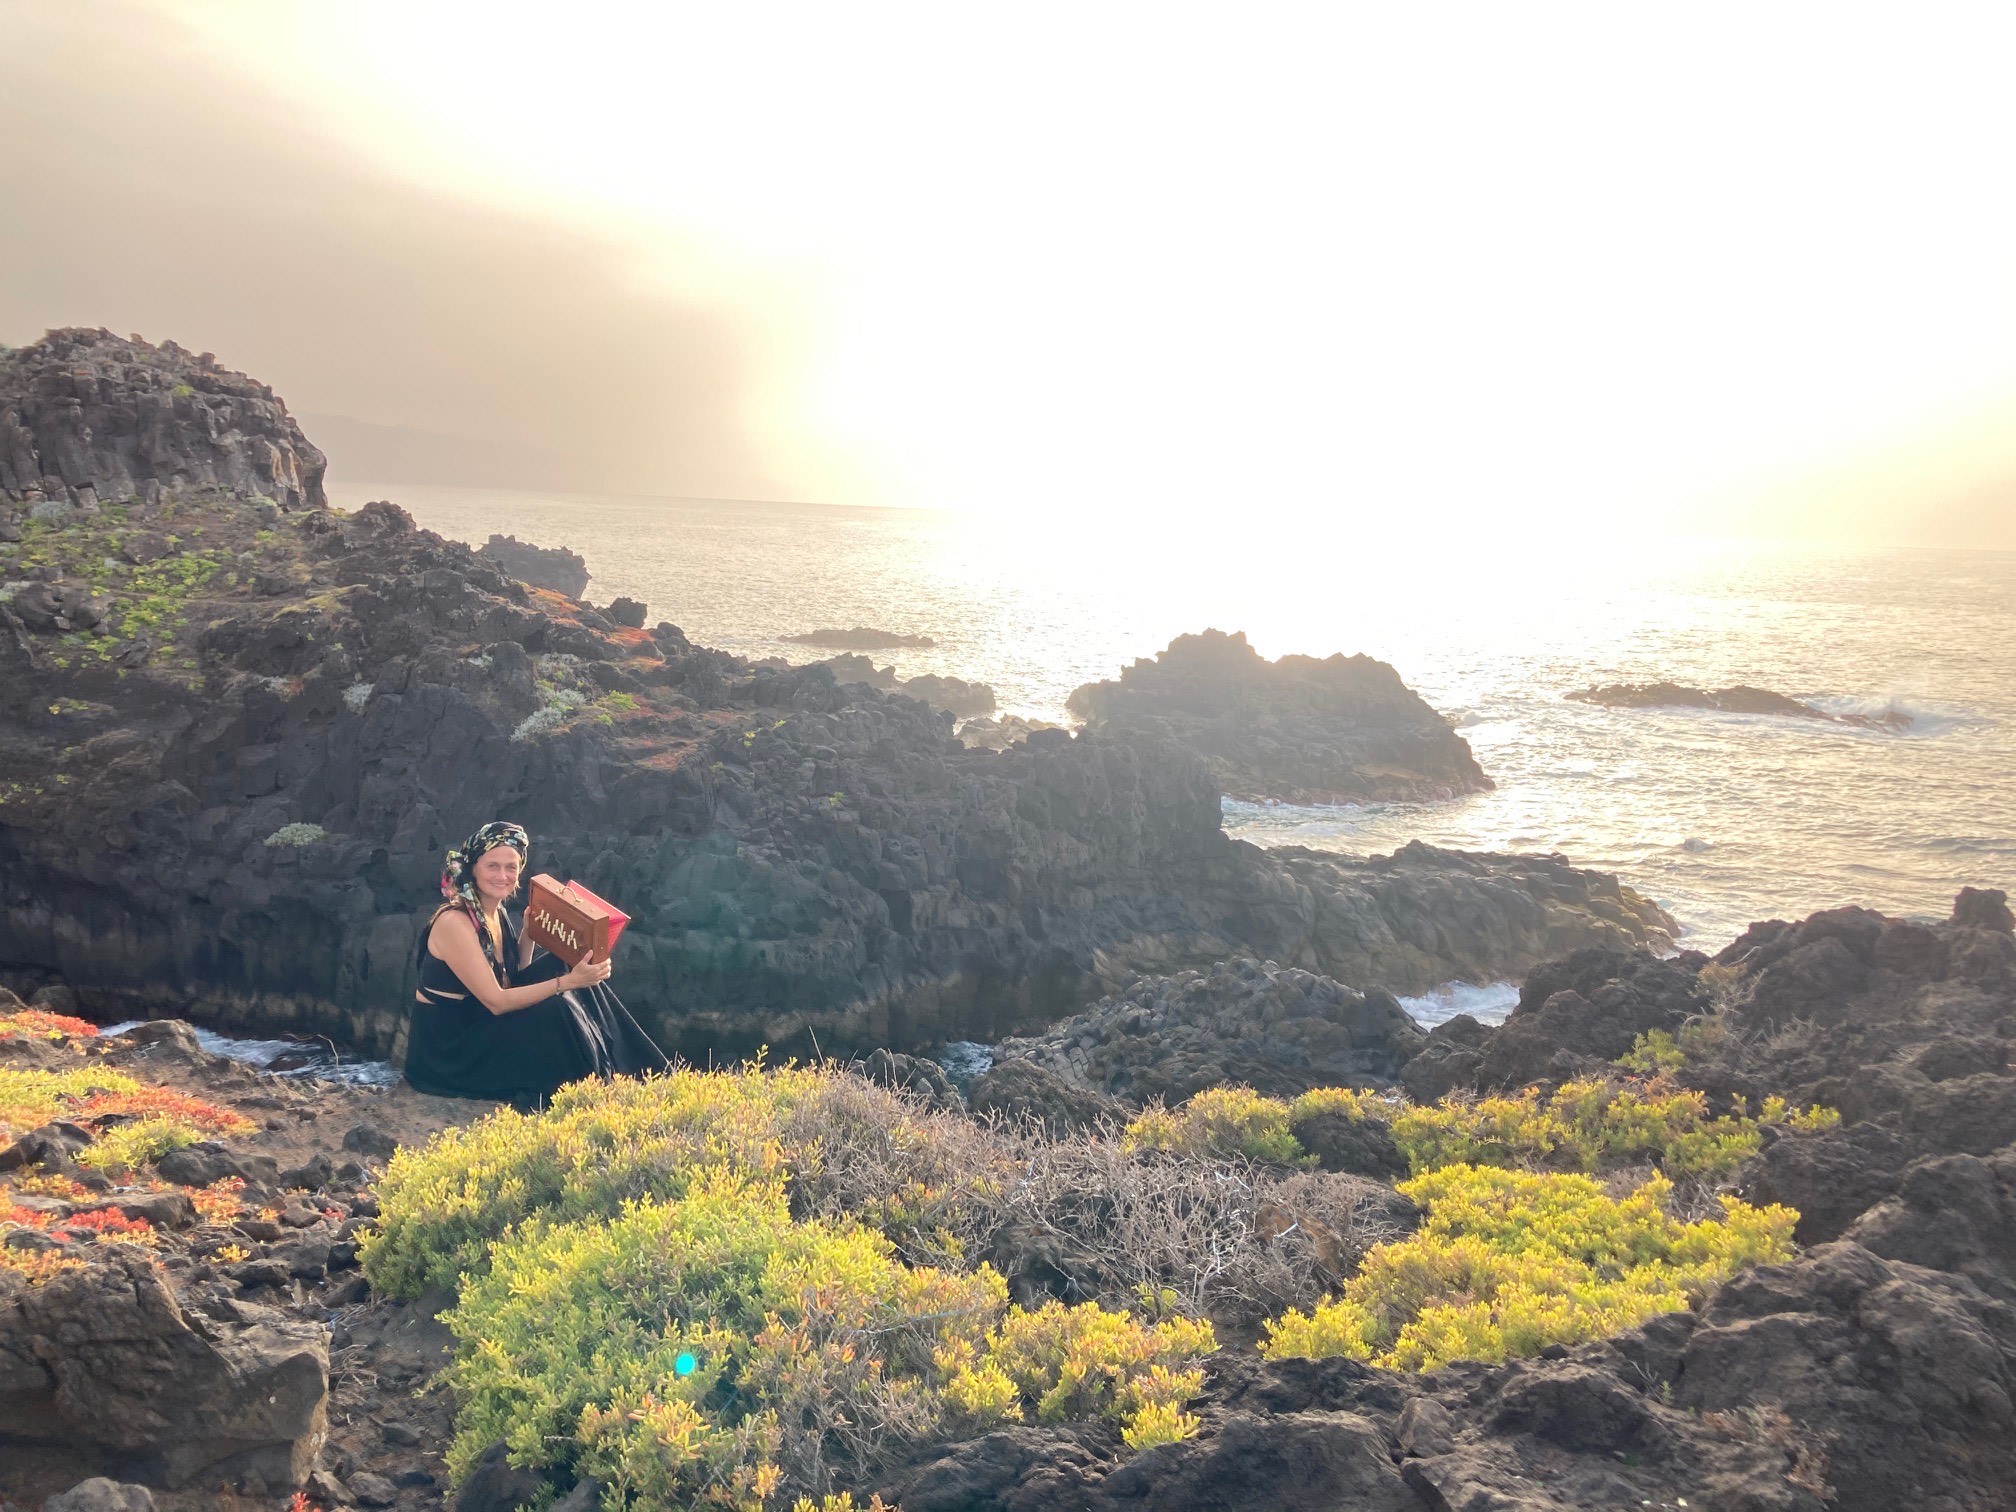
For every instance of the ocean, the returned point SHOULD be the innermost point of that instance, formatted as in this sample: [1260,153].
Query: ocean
[1723,819]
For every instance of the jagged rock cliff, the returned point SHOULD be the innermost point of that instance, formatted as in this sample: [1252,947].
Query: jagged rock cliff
[229,796]
[1342,729]
[86,416]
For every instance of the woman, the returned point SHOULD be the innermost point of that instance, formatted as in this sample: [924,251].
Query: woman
[489,1021]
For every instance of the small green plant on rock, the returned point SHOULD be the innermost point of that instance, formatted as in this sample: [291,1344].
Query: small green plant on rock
[298,834]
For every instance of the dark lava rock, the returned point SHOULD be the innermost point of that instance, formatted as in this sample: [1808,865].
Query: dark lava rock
[1336,730]
[370,1141]
[1276,1029]
[997,733]
[1737,700]
[628,613]
[1295,1462]
[954,695]
[104,1358]
[553,567]
[206,1161]
[860,638]
[1360,1146]
[496,1485]
[87,417]
[1577,1015]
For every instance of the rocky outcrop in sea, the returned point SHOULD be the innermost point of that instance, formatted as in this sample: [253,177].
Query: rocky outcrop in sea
[860,638]
[956,696]
[1340,729]
[553,567]
[230,795]
[1737,700]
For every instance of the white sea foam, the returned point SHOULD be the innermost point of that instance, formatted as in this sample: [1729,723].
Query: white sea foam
[1488,1004]
[314,1059]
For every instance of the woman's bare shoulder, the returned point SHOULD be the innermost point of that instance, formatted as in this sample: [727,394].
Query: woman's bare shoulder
[455,923]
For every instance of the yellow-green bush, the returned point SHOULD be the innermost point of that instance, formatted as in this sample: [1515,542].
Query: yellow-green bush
[598,1146]
[637,1222]
[1319,1101]
[801,1336]
[1220,1121]
[1508,1262]
[1584,1126]
[1084,1362]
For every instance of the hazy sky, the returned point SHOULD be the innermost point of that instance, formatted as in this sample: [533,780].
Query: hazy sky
[1444,267]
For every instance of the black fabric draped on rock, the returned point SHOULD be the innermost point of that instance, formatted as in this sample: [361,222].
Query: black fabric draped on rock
[459,1048]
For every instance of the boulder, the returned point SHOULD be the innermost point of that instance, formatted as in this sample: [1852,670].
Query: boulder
[1302,730]
[101,1494]
[1279,1030]
[496,1485]
[104,1358]
[913,1073]
[997,733]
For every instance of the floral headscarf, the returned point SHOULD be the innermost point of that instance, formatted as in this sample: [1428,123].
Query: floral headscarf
[458,876]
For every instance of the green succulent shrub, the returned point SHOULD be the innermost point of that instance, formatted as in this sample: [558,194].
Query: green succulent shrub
[638,1301]
[1509,1262]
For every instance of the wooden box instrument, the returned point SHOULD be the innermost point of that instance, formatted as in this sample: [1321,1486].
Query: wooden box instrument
[570,921]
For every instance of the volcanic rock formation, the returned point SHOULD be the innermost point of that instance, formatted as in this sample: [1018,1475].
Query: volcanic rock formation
[1737,700]
[553,567]
[1336,730]
[86,416]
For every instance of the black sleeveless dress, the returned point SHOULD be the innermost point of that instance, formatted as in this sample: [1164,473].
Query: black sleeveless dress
[458,1048]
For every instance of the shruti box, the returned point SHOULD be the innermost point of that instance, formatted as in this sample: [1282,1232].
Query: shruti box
[571,921]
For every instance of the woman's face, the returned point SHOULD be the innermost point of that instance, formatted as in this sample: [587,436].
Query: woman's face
[496,873]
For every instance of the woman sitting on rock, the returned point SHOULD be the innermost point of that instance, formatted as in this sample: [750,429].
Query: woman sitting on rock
[489,1020]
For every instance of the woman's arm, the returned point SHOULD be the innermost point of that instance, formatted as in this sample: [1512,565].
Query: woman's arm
[455,942]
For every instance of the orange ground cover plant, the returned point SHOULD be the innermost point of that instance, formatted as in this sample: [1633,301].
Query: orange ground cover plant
[38,1023]
[219,1203]
[110,1225]
[160,1102]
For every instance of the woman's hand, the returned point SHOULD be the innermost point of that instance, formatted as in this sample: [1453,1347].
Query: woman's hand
[587,974]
